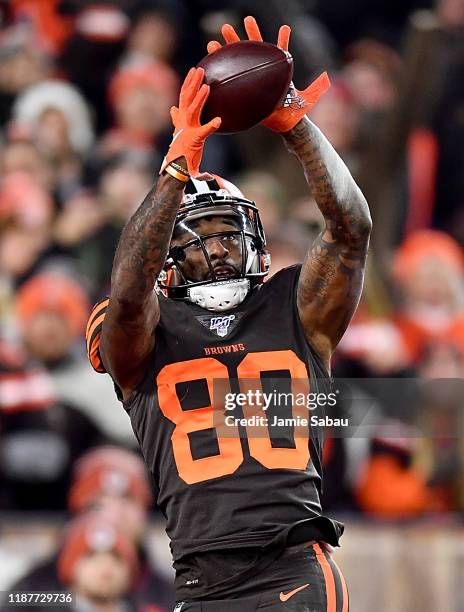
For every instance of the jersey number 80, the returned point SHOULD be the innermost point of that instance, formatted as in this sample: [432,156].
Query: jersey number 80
[230,455]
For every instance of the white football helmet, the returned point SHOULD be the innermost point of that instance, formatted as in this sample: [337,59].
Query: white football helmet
[216,197]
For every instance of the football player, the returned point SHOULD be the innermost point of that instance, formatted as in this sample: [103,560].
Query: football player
[189,317]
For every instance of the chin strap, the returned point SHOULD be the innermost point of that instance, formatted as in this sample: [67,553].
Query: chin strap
[220,296]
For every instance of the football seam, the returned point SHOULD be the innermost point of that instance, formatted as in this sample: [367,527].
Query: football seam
[240,74]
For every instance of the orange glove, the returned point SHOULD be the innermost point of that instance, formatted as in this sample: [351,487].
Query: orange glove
[189,135]
[296,103]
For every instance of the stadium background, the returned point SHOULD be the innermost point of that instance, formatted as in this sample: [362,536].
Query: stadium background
[85,92]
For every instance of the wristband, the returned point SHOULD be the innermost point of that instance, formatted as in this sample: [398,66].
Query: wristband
[179,168]
[180,176]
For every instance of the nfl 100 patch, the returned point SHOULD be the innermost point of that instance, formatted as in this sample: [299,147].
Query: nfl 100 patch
[220,324]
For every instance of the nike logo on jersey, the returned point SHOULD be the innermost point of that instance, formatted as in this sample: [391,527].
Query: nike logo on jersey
[286,596]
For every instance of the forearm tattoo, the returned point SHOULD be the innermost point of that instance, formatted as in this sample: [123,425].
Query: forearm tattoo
[332,277]
[338,197]
[144,242]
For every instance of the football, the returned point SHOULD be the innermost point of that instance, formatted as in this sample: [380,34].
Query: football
[247,80]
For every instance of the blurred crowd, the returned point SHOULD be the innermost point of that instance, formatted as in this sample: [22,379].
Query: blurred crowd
[85,93]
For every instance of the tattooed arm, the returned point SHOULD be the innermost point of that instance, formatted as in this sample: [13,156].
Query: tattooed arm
[133,310]
[332,275]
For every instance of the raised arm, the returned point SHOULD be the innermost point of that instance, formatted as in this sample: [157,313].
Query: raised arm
[332,275]
[133,310]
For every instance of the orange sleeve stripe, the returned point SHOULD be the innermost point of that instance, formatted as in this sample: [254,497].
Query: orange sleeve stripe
[95,312]
[328,577]
[93,335]
[98,321]
[94,355]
